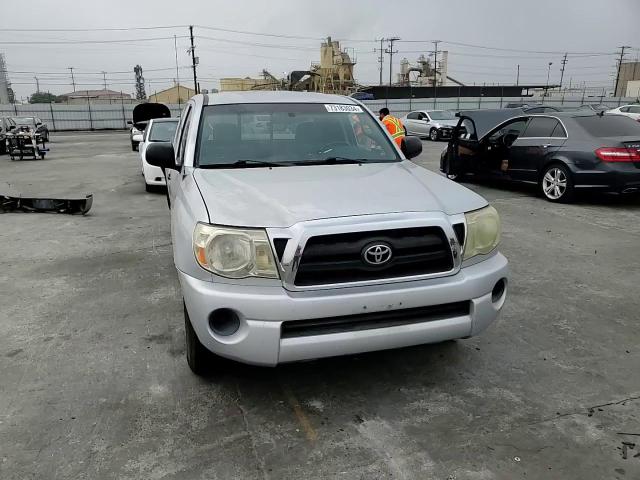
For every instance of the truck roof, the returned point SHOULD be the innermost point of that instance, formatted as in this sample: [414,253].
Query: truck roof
[226,98]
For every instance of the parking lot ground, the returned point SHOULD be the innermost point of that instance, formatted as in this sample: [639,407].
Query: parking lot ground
[94,383]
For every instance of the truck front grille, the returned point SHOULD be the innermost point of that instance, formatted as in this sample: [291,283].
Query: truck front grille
[339,258]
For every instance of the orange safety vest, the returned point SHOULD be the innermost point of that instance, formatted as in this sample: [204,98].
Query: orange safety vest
[395,127]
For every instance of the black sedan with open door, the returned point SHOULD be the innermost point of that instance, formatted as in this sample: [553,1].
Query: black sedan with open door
[561,152]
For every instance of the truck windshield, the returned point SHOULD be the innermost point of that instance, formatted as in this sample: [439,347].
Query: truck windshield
[162,131]
[289,134]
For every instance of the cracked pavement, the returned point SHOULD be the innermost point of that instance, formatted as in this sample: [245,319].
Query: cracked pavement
[94,383]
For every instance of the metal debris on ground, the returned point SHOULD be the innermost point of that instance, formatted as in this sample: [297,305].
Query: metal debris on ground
[70,205]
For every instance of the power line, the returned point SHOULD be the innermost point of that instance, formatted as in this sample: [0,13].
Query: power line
[245,32]
[93,73]
[256,44]
[76,42]
[484,47]
[110,29]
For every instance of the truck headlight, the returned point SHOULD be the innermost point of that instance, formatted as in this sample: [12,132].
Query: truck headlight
[483,232]
[234,252]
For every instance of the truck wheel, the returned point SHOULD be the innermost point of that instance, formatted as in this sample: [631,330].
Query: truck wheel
[433,135]
[148,188]
[556,184]
[199,358]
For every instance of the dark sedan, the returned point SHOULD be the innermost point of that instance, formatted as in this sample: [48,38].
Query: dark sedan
[560,152]
[35,123]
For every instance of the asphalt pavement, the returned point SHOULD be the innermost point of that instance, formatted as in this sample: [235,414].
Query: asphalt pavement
[94,383]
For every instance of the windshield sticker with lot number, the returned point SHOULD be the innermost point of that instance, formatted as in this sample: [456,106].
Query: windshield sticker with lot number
[333,108]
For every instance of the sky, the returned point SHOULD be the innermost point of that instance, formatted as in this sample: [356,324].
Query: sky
[486,39]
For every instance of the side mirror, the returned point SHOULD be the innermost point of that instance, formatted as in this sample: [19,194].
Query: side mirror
[161,154]
[411,147]
[129,122]
[137,137]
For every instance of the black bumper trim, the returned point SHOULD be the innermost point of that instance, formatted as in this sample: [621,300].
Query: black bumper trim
[369,321]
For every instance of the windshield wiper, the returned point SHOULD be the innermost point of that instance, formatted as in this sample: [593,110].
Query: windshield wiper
[244,164]
[335,161]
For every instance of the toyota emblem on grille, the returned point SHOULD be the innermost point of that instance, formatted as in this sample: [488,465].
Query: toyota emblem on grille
[377,254]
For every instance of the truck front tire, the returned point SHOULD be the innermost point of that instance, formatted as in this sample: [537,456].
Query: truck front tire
[199,358]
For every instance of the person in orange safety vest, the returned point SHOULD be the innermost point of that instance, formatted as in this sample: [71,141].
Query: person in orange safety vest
[394,126]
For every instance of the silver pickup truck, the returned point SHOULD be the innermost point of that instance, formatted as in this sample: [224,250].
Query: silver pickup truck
[300,230]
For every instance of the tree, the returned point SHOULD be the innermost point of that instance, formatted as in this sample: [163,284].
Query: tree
[43,97]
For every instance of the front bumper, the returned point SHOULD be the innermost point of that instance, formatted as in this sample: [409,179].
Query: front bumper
[262,310]
[445,133]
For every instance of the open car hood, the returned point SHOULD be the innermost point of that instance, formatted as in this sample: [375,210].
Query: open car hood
[487,120]
[146,111]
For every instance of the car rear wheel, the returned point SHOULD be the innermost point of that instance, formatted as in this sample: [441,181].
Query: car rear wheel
[556,184]
[200,359]
[434,135]
[134,146]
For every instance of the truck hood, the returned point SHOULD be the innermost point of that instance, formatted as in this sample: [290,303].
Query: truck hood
[284,196]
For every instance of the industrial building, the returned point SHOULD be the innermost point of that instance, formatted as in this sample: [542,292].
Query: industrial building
[247,83]
[428,75]
[633,89]
[629,72]
[175,95]
[333,74]
[104,96]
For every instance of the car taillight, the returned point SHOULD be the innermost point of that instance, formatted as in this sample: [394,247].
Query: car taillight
[616,154]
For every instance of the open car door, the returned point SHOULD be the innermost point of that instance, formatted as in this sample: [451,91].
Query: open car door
[147,111]
[462,150]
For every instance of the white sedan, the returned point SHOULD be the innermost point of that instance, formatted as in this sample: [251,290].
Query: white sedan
[158,130]
[631,111]
[433,124]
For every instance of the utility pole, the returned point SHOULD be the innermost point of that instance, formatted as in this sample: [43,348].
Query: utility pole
[390,51]
[194,61]
[73,80]
[546,90]
[435,72]
[104,79]
[381,58]
[622,49]
[564,63]
[518,76]
[175,48]
[37,85]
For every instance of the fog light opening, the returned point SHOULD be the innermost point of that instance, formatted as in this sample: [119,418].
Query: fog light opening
[224,322]
[497,294]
